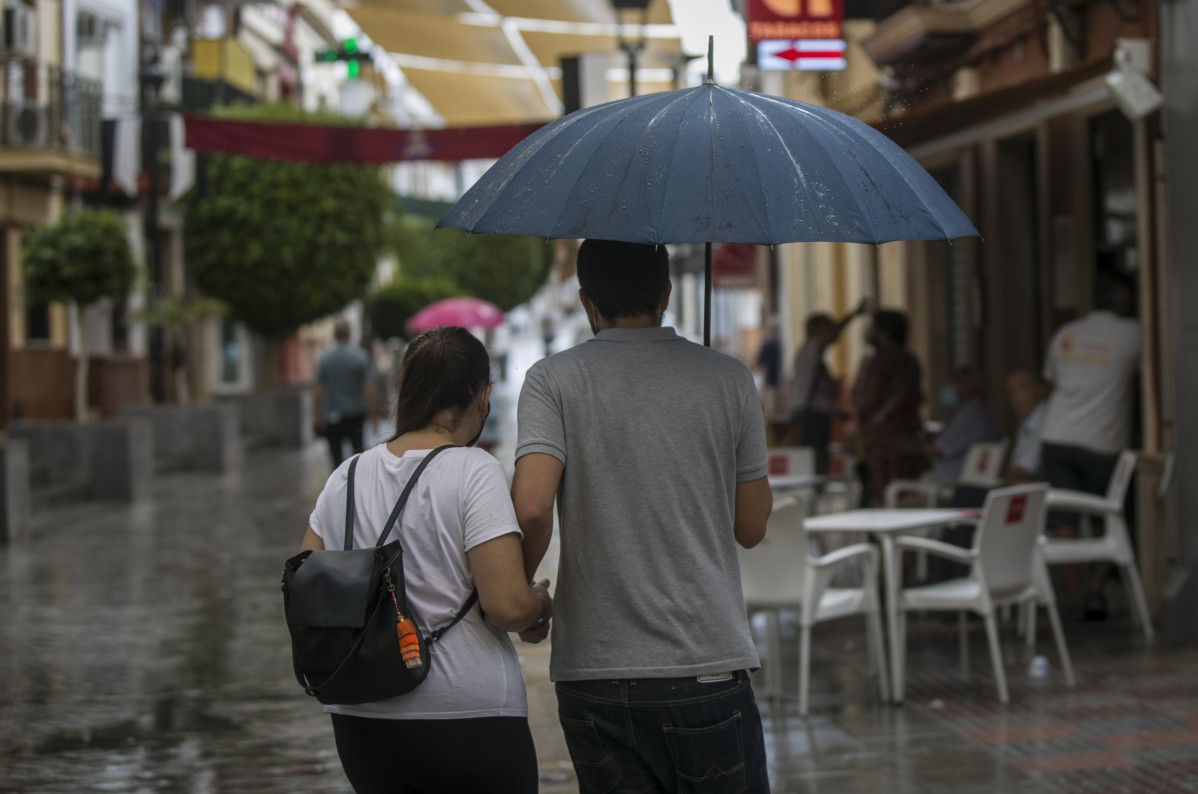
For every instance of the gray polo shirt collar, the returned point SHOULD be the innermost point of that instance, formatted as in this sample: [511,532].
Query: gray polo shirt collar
[626,335]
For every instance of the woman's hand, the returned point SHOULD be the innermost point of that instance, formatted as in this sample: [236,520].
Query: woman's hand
[540,630]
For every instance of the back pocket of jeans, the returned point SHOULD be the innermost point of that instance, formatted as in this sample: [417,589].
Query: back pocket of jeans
[594,764]
[709,759]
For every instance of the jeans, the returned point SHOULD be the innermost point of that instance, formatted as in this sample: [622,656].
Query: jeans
[1076,469]
[664,735]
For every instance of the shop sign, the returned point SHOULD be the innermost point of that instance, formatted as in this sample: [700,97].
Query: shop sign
[793,19]
[804,54]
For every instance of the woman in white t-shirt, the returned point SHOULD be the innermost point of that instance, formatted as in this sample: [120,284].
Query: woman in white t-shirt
[465,728]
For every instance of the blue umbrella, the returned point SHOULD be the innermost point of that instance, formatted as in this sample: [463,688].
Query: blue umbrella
[710,164]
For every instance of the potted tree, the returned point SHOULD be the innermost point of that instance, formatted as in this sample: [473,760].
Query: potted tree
[79,260]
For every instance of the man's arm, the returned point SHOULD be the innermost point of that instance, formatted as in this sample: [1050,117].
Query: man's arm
[754,502]
[862,308]
[534,487]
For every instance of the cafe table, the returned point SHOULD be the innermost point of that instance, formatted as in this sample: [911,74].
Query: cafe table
[884,524]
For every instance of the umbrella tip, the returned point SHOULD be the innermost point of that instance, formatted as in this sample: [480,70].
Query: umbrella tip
[711,59]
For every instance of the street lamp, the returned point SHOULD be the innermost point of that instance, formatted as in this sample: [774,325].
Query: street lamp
[152,78]
[631,47]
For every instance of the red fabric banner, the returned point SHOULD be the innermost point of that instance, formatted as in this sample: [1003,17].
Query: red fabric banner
[311,143]
[734,266]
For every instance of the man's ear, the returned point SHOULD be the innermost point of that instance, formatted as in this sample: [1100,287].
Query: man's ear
[665,296]
[588,307]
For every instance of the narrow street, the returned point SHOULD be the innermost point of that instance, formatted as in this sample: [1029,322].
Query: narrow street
[142,649]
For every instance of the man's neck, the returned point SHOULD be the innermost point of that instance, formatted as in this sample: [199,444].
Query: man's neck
[637,322]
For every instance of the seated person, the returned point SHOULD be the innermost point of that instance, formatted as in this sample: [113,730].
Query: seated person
[969,424]
[1026,395]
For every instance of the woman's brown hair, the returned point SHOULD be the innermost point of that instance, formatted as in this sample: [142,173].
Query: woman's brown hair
[443,368]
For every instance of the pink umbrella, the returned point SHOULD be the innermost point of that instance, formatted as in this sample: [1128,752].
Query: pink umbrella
[466,312]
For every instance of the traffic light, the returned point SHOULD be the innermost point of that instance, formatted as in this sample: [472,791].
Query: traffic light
[347,51]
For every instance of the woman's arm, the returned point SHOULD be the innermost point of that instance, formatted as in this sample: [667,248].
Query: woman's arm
[312,541]
[507,598]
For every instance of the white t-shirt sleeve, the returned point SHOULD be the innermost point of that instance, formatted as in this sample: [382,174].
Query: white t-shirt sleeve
[1050,359]
[487,511]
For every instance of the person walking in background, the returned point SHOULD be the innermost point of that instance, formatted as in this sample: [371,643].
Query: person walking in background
[343,394]
[969,424]
[1090,369]
[813,390]
[769,365]
[887,397]
[654,448]
[464,729]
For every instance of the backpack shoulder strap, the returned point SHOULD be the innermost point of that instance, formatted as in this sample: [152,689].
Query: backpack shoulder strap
[436,635]
[403,497]
[349,506]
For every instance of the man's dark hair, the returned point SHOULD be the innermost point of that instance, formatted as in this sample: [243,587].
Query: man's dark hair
[341,330]
[623,279]
[893,324]
[818,321]
[1113,291]
[446,367]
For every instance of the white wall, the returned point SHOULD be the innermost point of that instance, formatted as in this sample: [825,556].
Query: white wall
[115,64]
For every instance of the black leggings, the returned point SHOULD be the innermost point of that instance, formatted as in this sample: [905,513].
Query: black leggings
[487,754]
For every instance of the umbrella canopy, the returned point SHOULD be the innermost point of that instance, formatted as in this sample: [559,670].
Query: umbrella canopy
[710,164]
[466,312]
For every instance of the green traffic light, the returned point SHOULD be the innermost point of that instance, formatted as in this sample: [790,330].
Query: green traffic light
[352,70]
[350,46]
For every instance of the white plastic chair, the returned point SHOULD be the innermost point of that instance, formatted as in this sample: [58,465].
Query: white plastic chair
[788,461]
[982,468]
[791,460]
[841,492]
[1113,546]
[781,573]
[1006,567]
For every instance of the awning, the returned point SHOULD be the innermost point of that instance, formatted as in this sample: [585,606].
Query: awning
[918,126]
[492,68]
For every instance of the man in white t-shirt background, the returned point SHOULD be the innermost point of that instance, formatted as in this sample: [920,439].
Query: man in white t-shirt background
[1091,368]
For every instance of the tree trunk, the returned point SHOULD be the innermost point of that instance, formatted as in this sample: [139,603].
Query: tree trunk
[75,315]
[268,374]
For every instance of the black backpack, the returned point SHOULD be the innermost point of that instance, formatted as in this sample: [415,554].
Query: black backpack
[346,610]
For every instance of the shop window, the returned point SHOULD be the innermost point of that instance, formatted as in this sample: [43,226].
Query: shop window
[231,352]
[37,323]
[120,326]
[959,288]
[1115,209]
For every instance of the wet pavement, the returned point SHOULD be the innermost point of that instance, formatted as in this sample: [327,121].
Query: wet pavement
[142,649]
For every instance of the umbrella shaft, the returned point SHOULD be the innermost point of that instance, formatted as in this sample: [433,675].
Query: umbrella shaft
[707,294]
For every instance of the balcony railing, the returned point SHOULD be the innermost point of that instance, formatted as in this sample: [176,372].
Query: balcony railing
[43,106]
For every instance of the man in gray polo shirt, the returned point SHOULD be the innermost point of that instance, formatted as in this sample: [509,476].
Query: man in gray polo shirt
[654,448]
